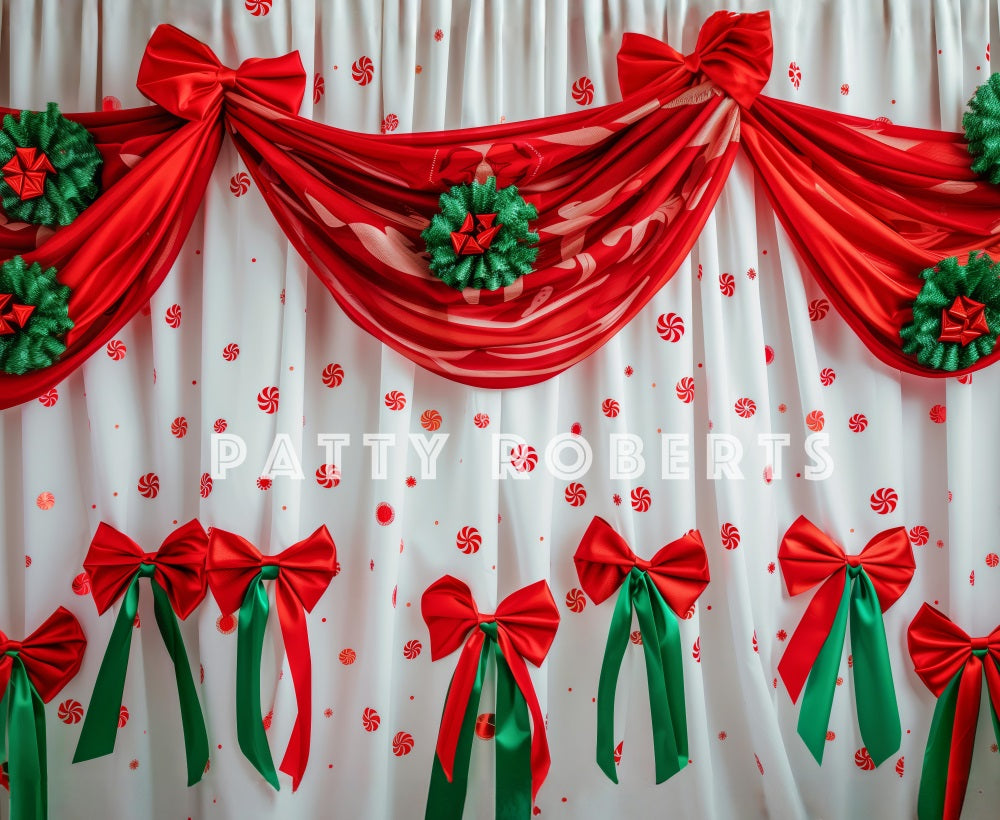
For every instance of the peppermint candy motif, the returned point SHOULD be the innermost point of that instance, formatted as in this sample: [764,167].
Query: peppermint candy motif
[576,494]
[45,501]
[696,650]
[123,717]
[524,458]
[389,124]
[402,744]
[863,760]
[641,499]
[258,8]
[49,397]
[481,420]
[827,376]
[70,712]
[670,326]
[179,427]
[919,535]
[815,420]
[768,354]
[239,184]
[395,400]
[745,407]
[333,375]
[347,656]
[116,350]
[727,284]
[412,649]
[319,86]
[883,500]
[583,91]
[149,485]
[205,485]
[81,584]
[468,540]
[858,423]
[430,420]
[794,75]
[173,316]
[370,719]
[610,408]
[900,766]
[231,352]
[992,559]
[267,400]
[363,70]
[818,308]
[730,536]
[328,475]
[685,389]
[220,426]
[575,600]
[938,414]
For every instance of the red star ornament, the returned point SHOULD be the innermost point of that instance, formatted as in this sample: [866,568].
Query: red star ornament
[12,315]
[25,173]
[476,234]
[964,321]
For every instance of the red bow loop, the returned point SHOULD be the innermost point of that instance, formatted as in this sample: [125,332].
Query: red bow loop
[939,648]
[185,77]
[51,655]
[449,610]
[679,570]
[114,558]
[528,618]
[734,51]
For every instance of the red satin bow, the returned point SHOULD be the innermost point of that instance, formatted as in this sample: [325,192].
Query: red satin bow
[304,572]
[940,650]
[51,655]
[808,556]
[733,51]
[526,626]
[679,570]
[185,77]
[114,559]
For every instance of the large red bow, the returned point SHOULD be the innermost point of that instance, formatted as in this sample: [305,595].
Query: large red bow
[809,556]
[179,566]
[51,655]
[733,51]
[679,570]
[185,77]
[304,571]
[526,626]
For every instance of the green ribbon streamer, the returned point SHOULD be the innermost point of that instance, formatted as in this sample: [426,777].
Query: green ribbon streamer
[661,643]
[22,720]
[512,738]
[249,649]
[100,727]
[934,773]
[874,692]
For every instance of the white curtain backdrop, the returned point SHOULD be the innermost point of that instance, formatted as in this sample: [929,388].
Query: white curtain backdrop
[77,458]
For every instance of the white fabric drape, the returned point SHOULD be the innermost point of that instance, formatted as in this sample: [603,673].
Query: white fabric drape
[445,64]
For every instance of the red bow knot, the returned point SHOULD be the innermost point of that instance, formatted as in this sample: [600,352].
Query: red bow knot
[679,570]
[12,314]
[185,77]
[526,626]
[25,172]
[733,51]
[964,321]
[178,566]
[51,655]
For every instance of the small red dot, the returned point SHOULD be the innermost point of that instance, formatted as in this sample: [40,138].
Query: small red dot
[194,381]
[93,506]
[564,800]
[935,603]
[893,102]
[541,537]
[324,620]
[411,697]
[115,494]
[570,689]
[977,68]
[253,258]
[335,68]
[291,367]
[283,508]
[220,745]
[764,253]
[329,765]
[175,521]
[709,607]
[798,475]
[699,364]
[939,51]
[198,252]
[593,700]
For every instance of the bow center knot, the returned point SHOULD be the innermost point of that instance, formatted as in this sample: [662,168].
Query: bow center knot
[147,569]
[269,568]
[11,648]
[488,624]
[980,646]
[227,77]
[692,62]
[641,564]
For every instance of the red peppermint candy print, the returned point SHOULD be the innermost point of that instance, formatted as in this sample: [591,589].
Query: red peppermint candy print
[815,420]
[333,375]
[49,397]
[863,760]
[45,501]
[179,427]
[267,400]
[685,390]
[576,494]
[231,352]
[347,656]
[641,499]
[430,420]
[122,717]
[70,711]
[938,414]
[524,458]
[696,651]
[618,752]
[264,483]
[111,103]
[319,86]
[395,400]
[858,423]
[389,124]
[727,284]
[900,766]
[670,326]
[818,308]
[116,350]
[992,559]
[412,649]
[883,500]
[239,184]
[610,408]
[173,316]
[363,70]
[575,600]
[583,91]
[220,426]
[384,514]
[81,584]
[745,407]
[768,354]
[149,485]
[827,376]
[636,637]
[402,744]
[845,89]
[468,540]
[919,535]
[258,8]
[370,719]
[205,485]
[794,75]
[730,535]
[481,420]
[328,476]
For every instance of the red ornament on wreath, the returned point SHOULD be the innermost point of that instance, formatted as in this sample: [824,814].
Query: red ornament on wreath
[25,172]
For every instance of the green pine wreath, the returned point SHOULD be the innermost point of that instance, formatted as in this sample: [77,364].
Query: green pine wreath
[70,148]
[978,279]
[511,252]
[39,343]
[982,129]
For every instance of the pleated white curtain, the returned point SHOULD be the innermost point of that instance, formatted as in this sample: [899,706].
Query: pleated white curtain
[252,318]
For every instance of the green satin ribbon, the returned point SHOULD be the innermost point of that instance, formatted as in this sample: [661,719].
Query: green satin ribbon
[661,644]
[937,755]
[874,692]
[512,739]
[22,721]
[249,649]
[100,727]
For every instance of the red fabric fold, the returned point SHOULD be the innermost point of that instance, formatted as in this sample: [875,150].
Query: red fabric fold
[808,557]
[114,558]
[305,570]
[679,570]
[526,626]
[51,655]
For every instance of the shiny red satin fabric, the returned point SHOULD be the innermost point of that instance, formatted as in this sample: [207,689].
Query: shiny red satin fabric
[808,556]
[940,650]
[678,570]
[526,626]
[305,570]
[51,655]
[114,558]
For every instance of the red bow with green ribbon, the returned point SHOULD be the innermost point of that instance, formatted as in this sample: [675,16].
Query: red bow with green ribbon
[176,572]
[672,580]
[236,575]
[32,672]
[952,665]
[862,587]
[522,628]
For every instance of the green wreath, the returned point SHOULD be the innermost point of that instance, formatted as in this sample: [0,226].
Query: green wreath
[55,149]
[481,238]
[982,129]
[34,315]
[944,287]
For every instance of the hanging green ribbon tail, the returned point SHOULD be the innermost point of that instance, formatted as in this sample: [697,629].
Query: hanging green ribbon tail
[661,644]
[874,692]
[100,727]
[937,755]
[446,800]
[22,735]
[249,648]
